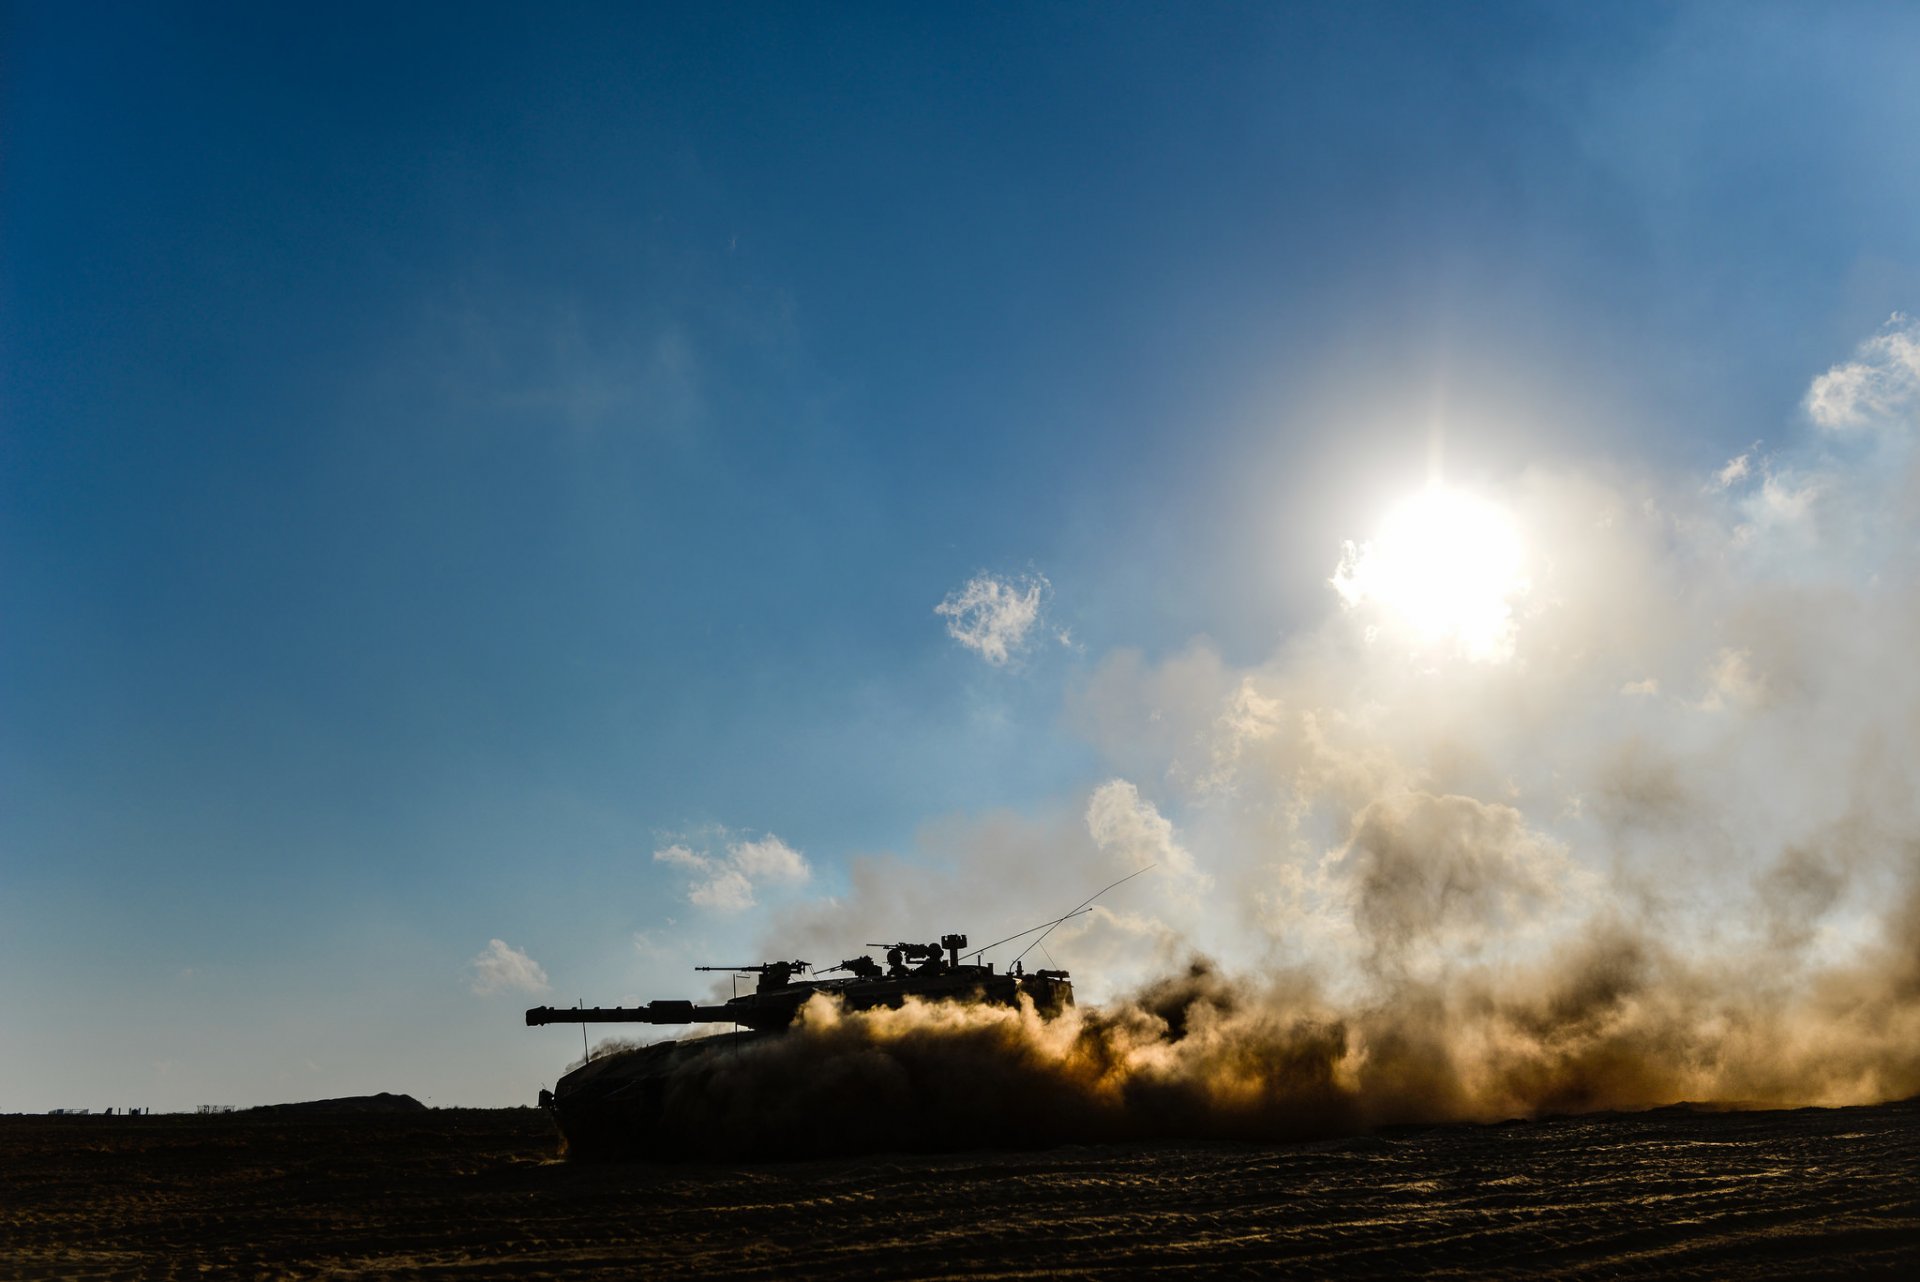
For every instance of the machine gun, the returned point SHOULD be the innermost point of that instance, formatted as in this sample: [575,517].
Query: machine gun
[861,967]
[772,974]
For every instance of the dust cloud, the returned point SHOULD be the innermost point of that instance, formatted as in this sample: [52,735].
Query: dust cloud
[1660,844]
[1614,1022]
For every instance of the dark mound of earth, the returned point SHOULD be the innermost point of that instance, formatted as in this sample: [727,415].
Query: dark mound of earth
[381,1103]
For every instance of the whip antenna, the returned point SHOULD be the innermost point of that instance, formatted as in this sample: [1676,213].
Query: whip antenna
[1082,907]
[1028,931]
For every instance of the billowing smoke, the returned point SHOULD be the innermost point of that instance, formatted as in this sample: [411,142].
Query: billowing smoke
[1661,843]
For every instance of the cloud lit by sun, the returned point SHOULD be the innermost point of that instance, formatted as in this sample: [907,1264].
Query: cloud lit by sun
[1445,568]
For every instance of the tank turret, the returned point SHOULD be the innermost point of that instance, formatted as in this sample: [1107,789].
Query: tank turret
[931,972]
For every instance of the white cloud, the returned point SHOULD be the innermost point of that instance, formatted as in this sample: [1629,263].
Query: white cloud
[504,968]
[1883,379]
[726,882]
[1129,827]
[992,617]
[769,859]
[726,891]
[681,857]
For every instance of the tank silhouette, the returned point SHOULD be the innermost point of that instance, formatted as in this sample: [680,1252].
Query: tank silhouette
[613,1104]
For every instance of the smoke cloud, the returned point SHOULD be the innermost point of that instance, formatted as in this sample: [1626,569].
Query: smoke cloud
[1664,846]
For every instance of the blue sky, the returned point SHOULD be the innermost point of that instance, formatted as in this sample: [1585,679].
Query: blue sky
[450,454]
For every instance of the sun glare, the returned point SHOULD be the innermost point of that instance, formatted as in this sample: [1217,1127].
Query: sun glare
[1445,565]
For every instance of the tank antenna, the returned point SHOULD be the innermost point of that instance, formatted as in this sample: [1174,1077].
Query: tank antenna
[1082,907]
[1028,931]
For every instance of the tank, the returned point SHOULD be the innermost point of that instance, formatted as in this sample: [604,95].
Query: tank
[613,1104]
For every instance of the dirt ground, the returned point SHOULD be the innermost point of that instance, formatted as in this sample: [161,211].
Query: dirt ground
[480,1194]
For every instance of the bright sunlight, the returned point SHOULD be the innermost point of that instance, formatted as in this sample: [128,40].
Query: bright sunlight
[1445,566]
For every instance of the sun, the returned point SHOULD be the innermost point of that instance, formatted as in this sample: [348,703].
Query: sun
[1446,568]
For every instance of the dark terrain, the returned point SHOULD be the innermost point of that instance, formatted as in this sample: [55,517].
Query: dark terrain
[459,1194]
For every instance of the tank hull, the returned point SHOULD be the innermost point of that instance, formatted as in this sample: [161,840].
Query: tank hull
[617,1106]
[642,1102]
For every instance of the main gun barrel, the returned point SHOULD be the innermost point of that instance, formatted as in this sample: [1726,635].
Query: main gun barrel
[662,1012]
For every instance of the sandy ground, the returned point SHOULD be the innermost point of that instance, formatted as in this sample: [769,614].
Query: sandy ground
[469,1194]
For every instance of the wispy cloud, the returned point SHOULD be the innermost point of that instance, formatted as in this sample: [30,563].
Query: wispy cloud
[504,968]
[726,882]
[993,617]
[1882,380]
